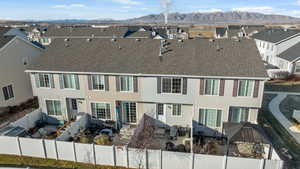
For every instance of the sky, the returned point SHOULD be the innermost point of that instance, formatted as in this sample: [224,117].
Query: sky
[124,9]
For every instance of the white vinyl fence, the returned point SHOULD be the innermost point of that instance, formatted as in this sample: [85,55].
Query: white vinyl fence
[126,157]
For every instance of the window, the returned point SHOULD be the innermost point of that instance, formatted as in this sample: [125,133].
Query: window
[212,87]
[101,111]
[237,114]
[210,117]
[74,104]
[176,110]
[297,67]
[171,85]
[98,82]
[268,46]
[70,81]
[44,80]
[129,110]
[126,83]
[8,92]
[245,87]
[160,109]
[54,107]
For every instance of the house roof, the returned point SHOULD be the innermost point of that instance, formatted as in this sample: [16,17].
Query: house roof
[117,32]
[221,31]
[275,35]
[138,34]
[3,38]
[245,132]
[130,56]
[291,53]
[252,28]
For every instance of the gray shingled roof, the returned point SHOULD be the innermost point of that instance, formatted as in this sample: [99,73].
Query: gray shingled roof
[118,32]
[4,39]
[190,57]
[292,53]
[275,35]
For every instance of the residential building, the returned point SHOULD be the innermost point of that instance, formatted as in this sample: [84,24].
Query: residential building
[175,82]
[16,54]
[275,47]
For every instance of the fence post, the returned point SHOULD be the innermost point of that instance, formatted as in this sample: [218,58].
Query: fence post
[94,154]
[74,151]
[160,159]
[146,159]
[192,160]
[262,164]
[225,162]
[114,155]
[44,147]
[56,151]
[126,156]
[19,145]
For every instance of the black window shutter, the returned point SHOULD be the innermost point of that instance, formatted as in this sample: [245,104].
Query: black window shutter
[106,79]
[158,85]
[184,87]
[219,118]
[52,81]
[5,93]
[135,84]
[117,83]
[90,82]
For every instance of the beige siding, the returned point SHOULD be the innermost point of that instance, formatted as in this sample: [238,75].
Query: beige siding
[12,70]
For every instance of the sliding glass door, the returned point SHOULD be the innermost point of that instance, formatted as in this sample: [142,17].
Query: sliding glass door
[129,112]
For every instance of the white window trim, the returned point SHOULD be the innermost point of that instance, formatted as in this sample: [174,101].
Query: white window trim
[238,89]
[110,107]
[50,81]
[136,111]
[219,83]
[93,83]
[61,106]
[129,91]
[222,114]
[181,114]
[12,98]
[161,86]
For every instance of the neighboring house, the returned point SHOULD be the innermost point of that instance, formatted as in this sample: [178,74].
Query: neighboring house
[16,54]
[221,33]
[278,47]
[63,32]
[230,31]
[175,82]
[250,30]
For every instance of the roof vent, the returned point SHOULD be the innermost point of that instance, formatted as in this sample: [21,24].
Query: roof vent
[180,40]
[88,39]
[113,40]
[137,40]
[211,40]
[67,40]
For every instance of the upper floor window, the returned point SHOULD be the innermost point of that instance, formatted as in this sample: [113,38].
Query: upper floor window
[245,87]
[8,92]
[212,87]
[44,80]
[69,81]
[297,67]
[160,109]
[126,83]
[98,82]
[176,110]
[238,114]
[171,85]
[54,107]
[101,111]
[210,117]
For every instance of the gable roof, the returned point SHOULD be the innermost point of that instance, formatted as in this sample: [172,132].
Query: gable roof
[128,56]
[291,53]
[3,38]
[275,35]
[114,31]
[221,31]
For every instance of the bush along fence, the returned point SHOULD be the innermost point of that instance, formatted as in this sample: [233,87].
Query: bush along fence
[126,157]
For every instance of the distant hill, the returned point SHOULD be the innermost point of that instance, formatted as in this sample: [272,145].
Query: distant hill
[233,17]
[217,18]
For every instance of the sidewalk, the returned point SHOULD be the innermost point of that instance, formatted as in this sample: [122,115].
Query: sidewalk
[275,110]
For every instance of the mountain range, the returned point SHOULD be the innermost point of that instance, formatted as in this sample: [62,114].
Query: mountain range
[233,17]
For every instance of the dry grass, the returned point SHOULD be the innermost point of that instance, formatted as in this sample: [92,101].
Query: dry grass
[17,161]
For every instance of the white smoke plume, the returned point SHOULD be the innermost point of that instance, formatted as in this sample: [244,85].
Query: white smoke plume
[166,4]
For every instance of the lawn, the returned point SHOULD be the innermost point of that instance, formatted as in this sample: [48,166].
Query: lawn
[280,138]
[288,105]
[17,161]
